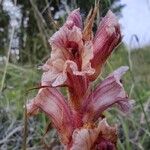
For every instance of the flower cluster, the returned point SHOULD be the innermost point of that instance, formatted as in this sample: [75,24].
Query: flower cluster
[76,60]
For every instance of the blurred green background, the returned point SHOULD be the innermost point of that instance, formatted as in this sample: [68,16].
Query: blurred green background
[24,48]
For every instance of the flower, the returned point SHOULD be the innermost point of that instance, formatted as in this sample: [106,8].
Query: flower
[76,60]
[86,138]
[70,54]
[107,37]
[106,94]
[53,104]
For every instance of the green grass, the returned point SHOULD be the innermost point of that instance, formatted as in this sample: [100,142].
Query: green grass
[133,128]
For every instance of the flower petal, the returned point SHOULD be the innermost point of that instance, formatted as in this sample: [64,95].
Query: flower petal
[78,89]
[108,136]
[54,74]
[106,39]
[108,132]
[51,102]
[109,92]
[74,18]
[94,137]
[61,37]
[83,138]
[55,67]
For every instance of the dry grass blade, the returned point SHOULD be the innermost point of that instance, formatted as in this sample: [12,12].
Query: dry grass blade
[41,23]
[7,60]
[25,129]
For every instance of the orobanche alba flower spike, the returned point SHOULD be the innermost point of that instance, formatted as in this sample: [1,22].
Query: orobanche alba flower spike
[76,61]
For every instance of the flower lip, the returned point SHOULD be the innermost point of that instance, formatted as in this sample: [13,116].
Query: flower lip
[106,94]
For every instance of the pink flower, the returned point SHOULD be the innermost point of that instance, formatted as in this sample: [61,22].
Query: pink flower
[70,54]
[100,137]
[106,94]
[76,60]
[53,104]
[107,37]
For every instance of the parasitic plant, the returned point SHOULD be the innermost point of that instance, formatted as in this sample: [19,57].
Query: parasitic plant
[77,58]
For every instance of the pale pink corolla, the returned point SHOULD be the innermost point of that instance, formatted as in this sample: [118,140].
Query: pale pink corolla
[106,94]
[107,37]
[100,137]
[53,104]
[70,54]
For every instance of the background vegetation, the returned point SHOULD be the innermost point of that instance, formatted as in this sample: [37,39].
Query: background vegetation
[19,72]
